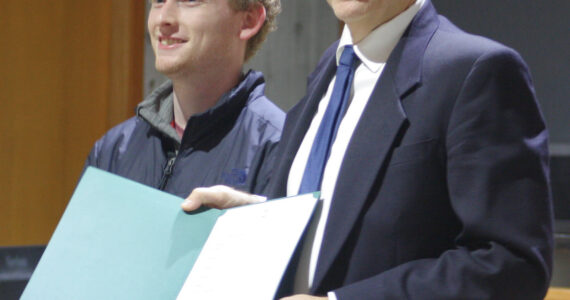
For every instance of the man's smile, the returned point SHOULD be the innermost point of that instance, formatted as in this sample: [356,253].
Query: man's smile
[169,41]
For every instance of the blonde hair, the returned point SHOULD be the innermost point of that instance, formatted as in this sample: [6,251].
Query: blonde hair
[272,9]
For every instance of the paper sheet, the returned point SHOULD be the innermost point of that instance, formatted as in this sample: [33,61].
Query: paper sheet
[248,250]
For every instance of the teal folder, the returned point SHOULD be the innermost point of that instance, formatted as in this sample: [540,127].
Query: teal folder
[119,239]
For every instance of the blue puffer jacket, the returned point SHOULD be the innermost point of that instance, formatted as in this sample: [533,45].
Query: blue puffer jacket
[224,145]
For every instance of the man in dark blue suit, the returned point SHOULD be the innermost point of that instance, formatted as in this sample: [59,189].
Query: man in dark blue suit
[435,184]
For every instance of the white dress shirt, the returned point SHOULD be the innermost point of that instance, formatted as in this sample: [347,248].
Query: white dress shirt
[373,52]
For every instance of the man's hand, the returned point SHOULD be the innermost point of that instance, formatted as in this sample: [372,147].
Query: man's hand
[218,196]
[304,297]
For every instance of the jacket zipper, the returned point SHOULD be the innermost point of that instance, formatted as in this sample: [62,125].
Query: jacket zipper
[167,171]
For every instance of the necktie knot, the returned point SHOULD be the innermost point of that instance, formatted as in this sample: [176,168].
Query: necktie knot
[348,57]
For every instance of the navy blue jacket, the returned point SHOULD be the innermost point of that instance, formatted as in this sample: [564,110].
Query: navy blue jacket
[443,191]
[219,146]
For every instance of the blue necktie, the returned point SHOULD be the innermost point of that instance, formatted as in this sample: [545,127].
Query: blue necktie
[326,134]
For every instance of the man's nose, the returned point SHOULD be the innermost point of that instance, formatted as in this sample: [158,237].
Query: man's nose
[168,15]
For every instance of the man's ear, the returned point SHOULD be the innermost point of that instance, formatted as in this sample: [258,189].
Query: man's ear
[253,20]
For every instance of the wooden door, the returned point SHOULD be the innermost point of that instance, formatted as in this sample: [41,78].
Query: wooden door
[69,70]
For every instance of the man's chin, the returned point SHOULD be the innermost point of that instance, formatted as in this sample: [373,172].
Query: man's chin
[168,68]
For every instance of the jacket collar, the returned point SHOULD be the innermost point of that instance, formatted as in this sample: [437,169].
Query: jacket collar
[406,61]
[157,110]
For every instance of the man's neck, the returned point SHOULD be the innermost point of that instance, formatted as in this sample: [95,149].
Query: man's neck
[359,29]
[196,94]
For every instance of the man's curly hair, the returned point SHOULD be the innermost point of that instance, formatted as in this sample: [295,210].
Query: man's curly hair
[272,9]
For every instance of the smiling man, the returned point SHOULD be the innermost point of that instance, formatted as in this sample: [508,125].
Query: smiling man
[210,121]
[430,152]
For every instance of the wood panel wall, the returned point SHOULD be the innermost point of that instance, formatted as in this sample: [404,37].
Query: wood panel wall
[69,70]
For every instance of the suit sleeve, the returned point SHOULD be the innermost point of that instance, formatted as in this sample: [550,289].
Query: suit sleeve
[498,186]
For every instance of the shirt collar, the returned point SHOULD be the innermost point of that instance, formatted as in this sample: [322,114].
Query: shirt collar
[374,50]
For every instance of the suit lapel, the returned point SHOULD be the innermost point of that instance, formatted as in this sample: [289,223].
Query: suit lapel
[381,121]
[380,125]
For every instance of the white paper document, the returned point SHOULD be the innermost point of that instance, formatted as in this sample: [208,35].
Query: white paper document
[248,250]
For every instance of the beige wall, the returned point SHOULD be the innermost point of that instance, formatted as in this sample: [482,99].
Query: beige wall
[69,70]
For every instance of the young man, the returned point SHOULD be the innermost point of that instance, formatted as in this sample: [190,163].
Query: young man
[435,183]
[210,121]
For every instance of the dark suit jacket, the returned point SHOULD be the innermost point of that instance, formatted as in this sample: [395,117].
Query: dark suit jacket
[443,192]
